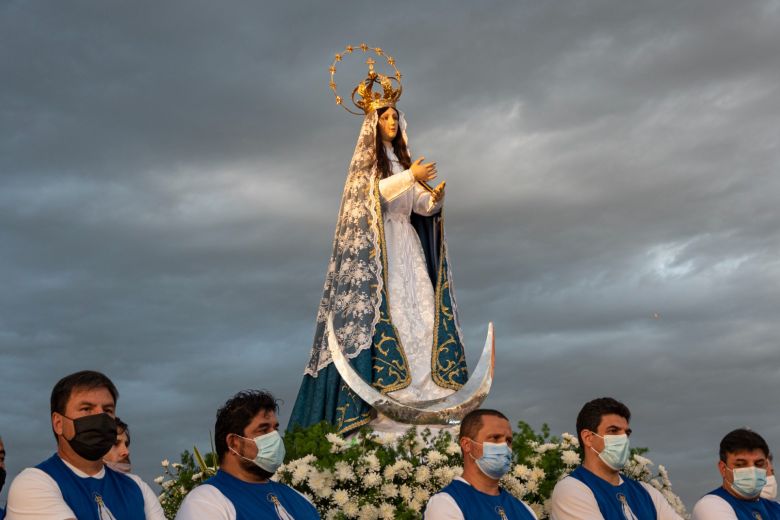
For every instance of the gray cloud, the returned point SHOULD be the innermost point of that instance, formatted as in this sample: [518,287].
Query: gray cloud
[170,176]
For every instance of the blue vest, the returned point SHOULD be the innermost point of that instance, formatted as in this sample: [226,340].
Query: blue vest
[257,501]
[115,491]
[476,505]
[611,499]
[761,509]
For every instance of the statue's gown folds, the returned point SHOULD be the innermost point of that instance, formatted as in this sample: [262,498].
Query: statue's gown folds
[390,292]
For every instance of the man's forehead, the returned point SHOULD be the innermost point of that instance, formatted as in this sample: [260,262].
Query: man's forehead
[264,417]
[747,454]
[99,395]
[494,424]
[612,419]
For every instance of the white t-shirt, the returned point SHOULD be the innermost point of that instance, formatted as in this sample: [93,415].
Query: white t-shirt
[442,506]
[34,495]
[713,507]
[573,500]
[206,501]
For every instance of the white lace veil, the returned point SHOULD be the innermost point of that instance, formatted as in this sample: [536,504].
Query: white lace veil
[353,283]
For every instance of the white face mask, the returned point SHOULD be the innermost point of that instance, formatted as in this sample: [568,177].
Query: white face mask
[769,491]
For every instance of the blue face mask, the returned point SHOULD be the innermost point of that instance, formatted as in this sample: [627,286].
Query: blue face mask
[270,451]
[615,452]
[496,459]
[748,482]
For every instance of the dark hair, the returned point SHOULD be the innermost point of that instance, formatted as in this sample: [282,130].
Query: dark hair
[742,439]
[399,147]
[237,413]
[121,427]
[472,423]
[86,379]
[590,416]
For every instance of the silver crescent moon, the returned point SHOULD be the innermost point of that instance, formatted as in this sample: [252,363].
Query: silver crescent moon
[447,410]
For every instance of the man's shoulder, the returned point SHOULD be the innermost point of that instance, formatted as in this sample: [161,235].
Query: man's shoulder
[205,491]
[712,507]
[206,501]
[571,486]
[32,478]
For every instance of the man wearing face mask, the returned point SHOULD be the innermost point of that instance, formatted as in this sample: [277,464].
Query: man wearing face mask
[770,488]
[596,490]
[118,457]
[73,483]
[743,467]
[486,443]
[250,450]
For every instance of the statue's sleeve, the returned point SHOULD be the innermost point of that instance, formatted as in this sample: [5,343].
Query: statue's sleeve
[392,187]
[423,202]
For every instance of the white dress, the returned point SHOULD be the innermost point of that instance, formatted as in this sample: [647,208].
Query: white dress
[410,291]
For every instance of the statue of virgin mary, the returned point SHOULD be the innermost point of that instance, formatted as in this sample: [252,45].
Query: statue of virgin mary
[388,285]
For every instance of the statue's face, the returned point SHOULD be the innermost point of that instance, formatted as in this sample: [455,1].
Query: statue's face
[388,124]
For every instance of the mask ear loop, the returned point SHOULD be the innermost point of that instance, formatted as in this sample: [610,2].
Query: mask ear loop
[237,453]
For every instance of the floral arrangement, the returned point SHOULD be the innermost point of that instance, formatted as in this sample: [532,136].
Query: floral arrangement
[374,476]
[179,478]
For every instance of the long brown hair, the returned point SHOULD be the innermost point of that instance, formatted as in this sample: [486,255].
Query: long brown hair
[399,147]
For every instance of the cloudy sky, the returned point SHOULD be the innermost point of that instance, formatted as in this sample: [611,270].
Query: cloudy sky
[170,174]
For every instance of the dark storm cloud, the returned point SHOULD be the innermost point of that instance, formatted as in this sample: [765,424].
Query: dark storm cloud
[171,174]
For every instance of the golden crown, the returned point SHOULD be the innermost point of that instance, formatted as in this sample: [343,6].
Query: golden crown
[367,99]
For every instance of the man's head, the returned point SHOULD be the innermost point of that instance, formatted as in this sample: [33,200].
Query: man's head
[118,457]
[744,458]
[486,442]
[245,416]
[597,419]
[83,408]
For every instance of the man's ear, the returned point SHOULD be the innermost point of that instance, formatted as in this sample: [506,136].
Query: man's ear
[722,469]
[465,445]
[56,423]
[587,437]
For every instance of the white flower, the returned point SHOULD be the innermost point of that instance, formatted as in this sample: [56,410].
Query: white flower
[197,476]
[537,473]
[340,497]
[453,448]
[168,483]
[522,471]
[371,460]
[159,480]
[368,512]
[435,458]
[421,495]
[300,473]
[372,479]
[165,463]
[642,461]
[176,465]
[386,511]
[351,509]
[389,490]
[422,474]
[389,473]
[336,442]
[343,472]
[569,440]
[405,492]
[570,457]
[544,448]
